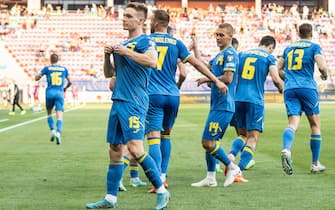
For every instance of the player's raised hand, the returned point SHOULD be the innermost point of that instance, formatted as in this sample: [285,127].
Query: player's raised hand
[194,43]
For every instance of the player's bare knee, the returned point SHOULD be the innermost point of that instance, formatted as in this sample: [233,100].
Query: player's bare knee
[207,145]
[116,152]
[153,134]
[115,148]
[136,151]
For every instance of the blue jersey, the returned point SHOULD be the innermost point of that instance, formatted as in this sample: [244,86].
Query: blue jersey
[226,60]
[299,64]
[55,75]
[253,69]
[132,78]
[163,80]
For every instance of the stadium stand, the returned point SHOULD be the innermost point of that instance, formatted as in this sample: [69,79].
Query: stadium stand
[79,38]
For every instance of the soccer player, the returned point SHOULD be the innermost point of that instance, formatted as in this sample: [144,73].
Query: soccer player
[222,107]
[15,97]
[233,122]
[255,64]
[296,66]
[132,63]
[163,90]
[135,180]
[55,75]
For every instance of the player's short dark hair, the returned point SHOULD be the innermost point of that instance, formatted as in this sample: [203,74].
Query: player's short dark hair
[139,7]
[267,41]
[53,58]
[227,26]
[234,41]
[162,17]
[305,30]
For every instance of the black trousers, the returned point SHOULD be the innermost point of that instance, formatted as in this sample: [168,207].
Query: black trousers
[16,102]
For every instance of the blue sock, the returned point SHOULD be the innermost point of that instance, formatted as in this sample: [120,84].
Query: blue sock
[150,170]
[246,155]
[315,144]
[59,124]
[237,145]
[211,162]
[288,137]
[125,162]
[218,152]
[133,170]
[155,151]
[216,160]
[51,122]
[114,175]
[166,152]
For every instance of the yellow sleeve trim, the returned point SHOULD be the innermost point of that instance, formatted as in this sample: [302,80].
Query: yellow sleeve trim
[185,60]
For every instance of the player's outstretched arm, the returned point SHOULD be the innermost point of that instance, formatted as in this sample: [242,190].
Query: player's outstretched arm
[194,46]
[275,78]
[320,61]
[205,71]
[108,63]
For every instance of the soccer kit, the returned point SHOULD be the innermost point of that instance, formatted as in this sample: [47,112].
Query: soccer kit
[249,98]
[128,112]
[130,98]
[222,106]
[300,93]
[55,76]
[163,91]
[164,97]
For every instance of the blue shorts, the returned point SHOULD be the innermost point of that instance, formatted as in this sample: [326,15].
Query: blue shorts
[216,124]
[54,99]
[126,122]
[162,113]
[233,121]
[249,116]
[301,100]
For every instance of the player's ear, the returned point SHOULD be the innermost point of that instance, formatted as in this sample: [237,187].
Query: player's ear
[142,20]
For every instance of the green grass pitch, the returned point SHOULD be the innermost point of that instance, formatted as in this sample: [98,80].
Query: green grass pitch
[36,174]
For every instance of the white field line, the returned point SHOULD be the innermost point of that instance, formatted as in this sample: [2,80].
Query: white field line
[31,121]
[3,120]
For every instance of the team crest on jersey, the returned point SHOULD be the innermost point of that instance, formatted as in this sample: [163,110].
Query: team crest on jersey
[230,58]
[152,45]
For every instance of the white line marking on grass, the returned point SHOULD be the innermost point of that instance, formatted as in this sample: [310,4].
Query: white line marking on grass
[3,120]
[30,121]
[38,112]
